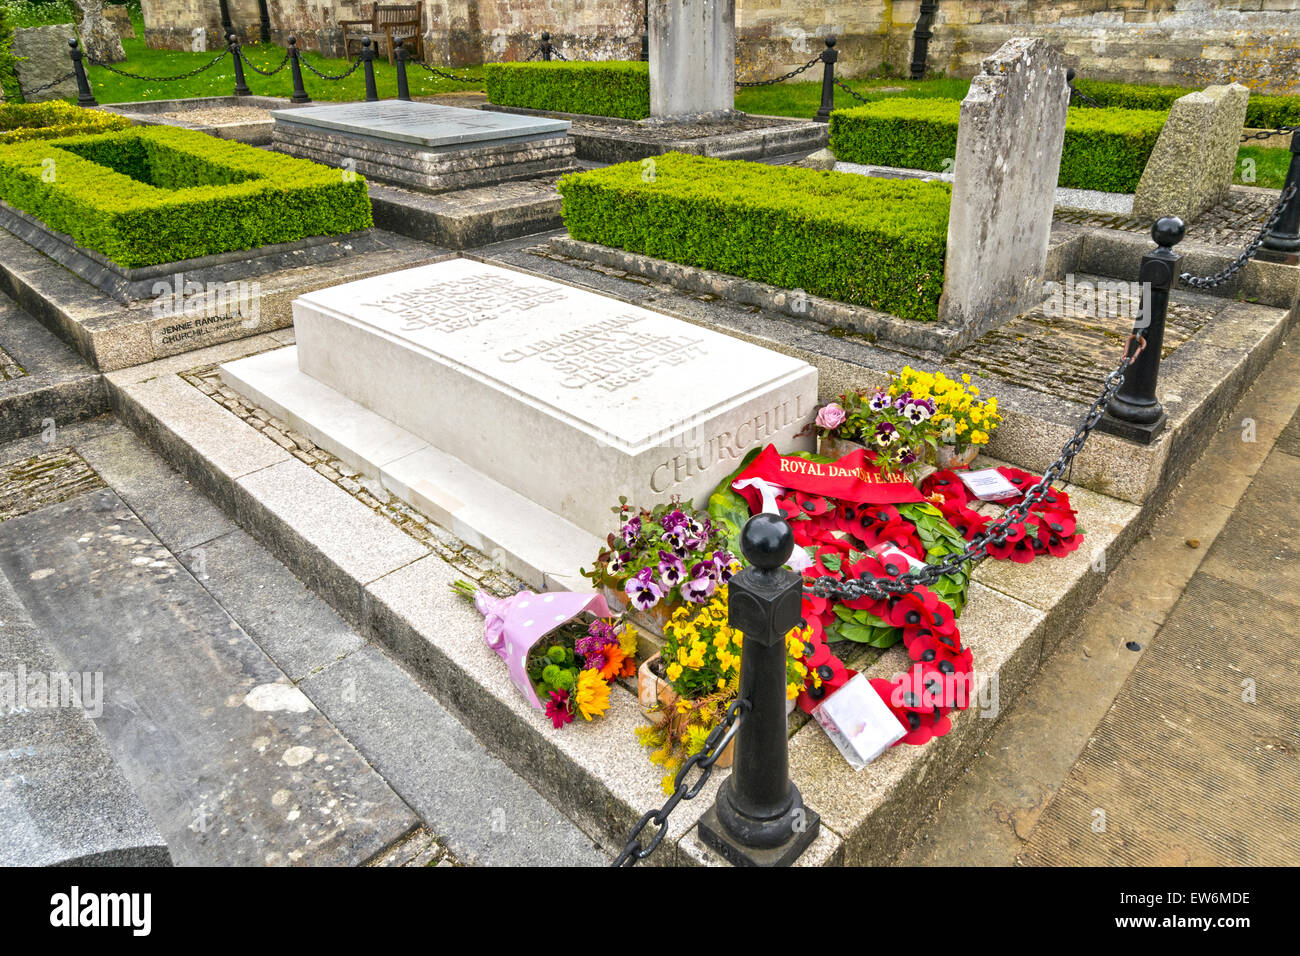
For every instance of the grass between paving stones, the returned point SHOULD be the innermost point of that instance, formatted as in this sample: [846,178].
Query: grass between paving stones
[109,87]
[873,242]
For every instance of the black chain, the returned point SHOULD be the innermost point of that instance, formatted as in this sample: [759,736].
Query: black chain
[719,737]
[1219,278]
[781,79]
[159,79]
[42,89]
[879,589]
[852,92]
[1082,97]
[256,69]
[446,76]
[1268,133]
[329,76]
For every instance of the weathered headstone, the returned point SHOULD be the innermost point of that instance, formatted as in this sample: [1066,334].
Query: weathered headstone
[1191,167]
[117,15]
[1009,145]
[692,58]
[42,54]
[565,397]
[425,145]
[98,38]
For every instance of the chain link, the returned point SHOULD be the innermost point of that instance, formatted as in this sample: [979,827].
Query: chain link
[781,79]
[849,90]
[1083,97]
[445,75]
[878,589]
[328,76]
[1219,278]
[159,79]
[714,745]
[47,86]
[1268,133]
[256,69]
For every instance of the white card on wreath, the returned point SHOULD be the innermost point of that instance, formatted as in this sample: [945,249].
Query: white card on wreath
[859,723]
[988,484]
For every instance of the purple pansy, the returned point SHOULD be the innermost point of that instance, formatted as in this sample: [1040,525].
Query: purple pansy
[643,591]
[671,570]
[701,584]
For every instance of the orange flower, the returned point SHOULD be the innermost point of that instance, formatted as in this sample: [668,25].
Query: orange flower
[614,662]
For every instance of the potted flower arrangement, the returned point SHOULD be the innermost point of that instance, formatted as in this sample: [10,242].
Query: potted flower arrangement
[686,689]
[963,423]
[895,428]
[662,558]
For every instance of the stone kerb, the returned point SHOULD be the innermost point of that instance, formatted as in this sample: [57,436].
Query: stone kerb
[1009,144]
[1191,167]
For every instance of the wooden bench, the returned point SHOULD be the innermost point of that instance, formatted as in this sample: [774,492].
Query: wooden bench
[388,22]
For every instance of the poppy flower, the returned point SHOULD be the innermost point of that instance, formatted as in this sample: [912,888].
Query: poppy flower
[914,609]
[812,504]
[947,484]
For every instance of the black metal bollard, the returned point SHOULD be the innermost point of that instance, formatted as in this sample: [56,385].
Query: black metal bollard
[368,64]
[241,87]
[85,96]
[1135,413]
[921,38]
[1283,240]
[299,91]
[829,56]
[759,818]
[545,46]
[645,31]
[403,91]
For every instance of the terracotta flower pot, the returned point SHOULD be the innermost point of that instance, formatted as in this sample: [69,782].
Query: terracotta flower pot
[955,456]
[652,690]
[833,447]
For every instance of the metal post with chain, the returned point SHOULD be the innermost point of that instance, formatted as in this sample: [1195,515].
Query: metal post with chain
[1284,204]
[921,37]
[784,76]
[829,58]
[1282,241]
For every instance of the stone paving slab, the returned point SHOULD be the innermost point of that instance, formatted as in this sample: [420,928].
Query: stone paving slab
[233,762]
[63,801]
[467,218]
[488,815]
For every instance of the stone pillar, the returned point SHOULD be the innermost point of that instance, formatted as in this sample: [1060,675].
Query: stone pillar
[1190,169]
[1004,181]
[692,58]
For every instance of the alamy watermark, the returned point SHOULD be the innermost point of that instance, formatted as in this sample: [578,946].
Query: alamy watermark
[204,308]
[23,691]
[1103,299]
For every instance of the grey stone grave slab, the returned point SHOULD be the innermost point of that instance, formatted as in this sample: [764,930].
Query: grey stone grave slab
[425,145]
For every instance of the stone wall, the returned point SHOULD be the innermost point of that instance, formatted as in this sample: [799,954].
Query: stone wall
[1185,42]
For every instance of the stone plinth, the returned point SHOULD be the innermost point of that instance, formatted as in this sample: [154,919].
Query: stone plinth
[423,145]
[1190,169]
[564,397]
[692,58]
[1009,143]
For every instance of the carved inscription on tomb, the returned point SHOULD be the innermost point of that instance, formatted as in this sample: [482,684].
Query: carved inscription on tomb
[456,304]
[609,354]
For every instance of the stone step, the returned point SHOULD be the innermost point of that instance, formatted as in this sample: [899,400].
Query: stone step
[480,811]
[63,800]
[597,771]
[233,762]
[44,385]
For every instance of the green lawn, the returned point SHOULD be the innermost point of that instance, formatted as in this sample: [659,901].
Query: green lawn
[1270,166]
[804,99]
[220,79]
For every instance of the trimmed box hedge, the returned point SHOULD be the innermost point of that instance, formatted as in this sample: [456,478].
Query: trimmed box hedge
[1263,112]
[159,194]
[873,242]
[53,119]
[1105,149]
[608,88]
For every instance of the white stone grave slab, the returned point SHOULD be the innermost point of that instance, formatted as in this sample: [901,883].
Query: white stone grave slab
[481,390]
